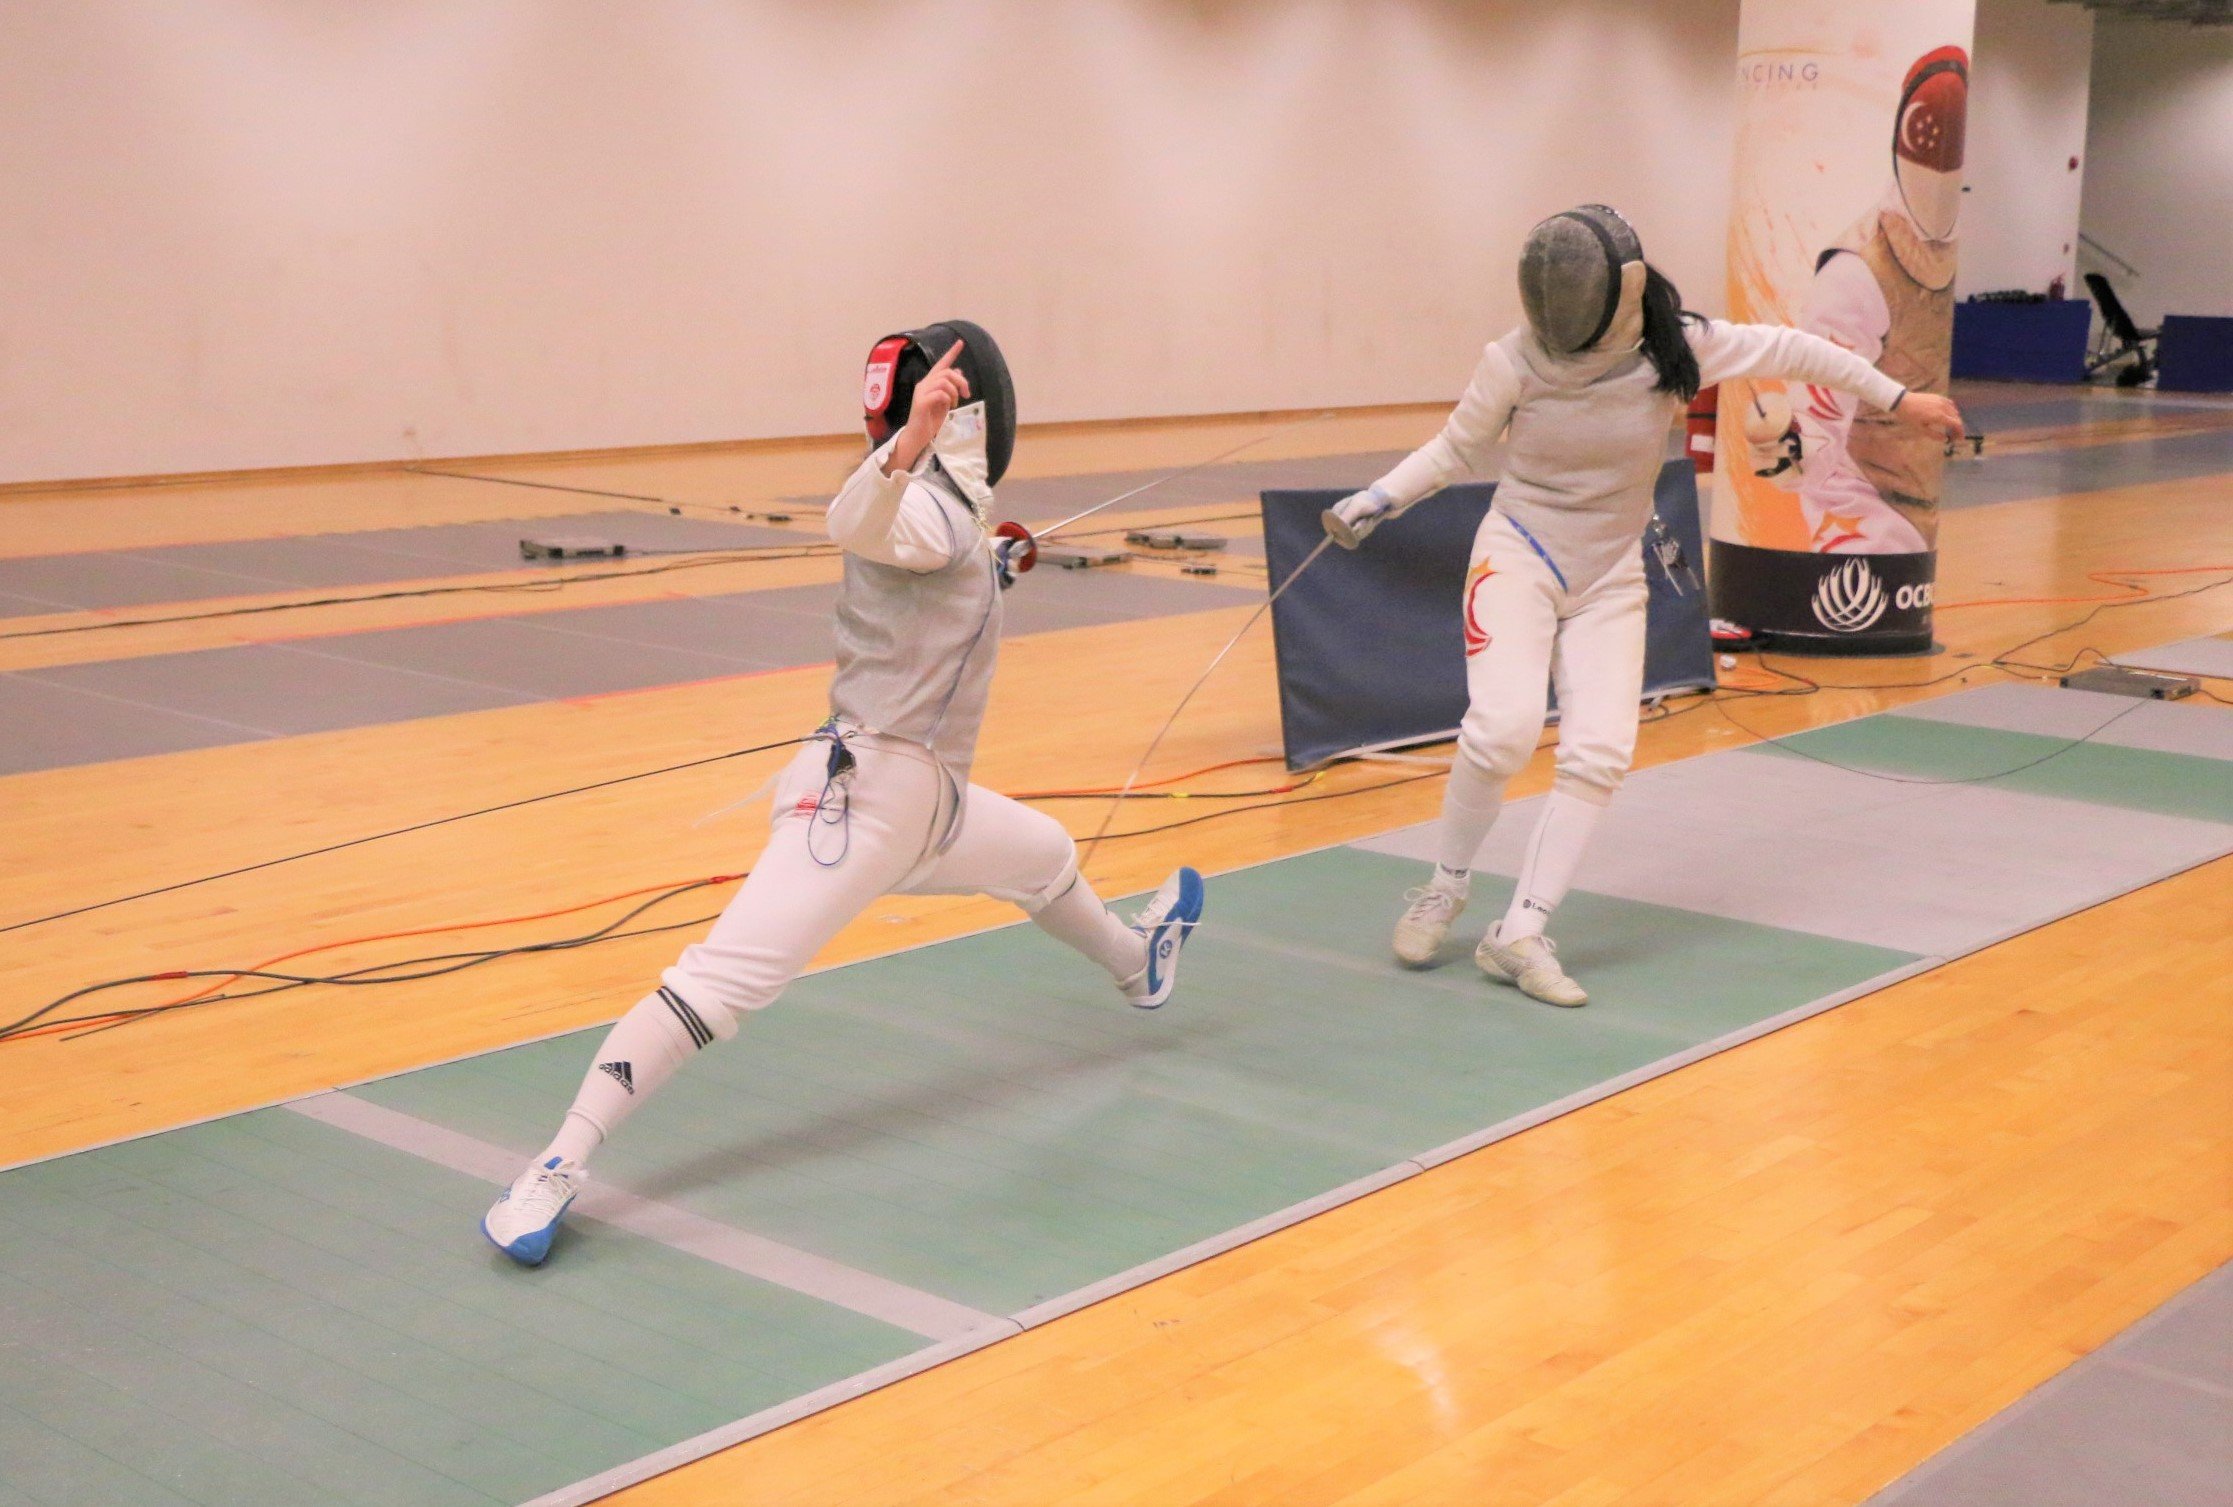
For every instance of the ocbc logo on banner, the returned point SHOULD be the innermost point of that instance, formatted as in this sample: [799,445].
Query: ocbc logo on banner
[1908,598]
[1849,598]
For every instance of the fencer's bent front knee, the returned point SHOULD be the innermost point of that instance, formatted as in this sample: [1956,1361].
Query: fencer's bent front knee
[1499,739]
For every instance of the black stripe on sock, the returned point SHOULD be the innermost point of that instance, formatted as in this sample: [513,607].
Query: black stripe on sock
[688,1016]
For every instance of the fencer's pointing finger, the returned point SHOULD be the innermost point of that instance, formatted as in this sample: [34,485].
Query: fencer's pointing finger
[945,362]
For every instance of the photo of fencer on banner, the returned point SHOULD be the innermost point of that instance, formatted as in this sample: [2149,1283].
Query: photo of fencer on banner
[1844,221]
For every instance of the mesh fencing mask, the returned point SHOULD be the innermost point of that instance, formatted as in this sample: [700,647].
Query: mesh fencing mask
[898,362]
[1582,281]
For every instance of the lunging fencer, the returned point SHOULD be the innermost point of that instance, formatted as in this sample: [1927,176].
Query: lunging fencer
[1584,393]
[879,800]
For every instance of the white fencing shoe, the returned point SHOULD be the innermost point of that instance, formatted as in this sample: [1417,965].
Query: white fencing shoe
[1531,963]
[1425,921]
[1167,920]
[525,1216]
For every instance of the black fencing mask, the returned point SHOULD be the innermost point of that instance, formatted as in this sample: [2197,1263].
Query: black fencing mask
[1582,281]
[900,361]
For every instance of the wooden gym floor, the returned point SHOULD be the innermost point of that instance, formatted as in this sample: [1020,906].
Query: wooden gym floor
[1710,1288]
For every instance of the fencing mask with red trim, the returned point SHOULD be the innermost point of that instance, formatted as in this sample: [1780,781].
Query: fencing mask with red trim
[1927,140]
[898,362]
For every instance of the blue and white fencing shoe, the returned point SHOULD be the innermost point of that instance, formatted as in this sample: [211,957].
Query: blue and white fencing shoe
[1167,920]
[525,1216]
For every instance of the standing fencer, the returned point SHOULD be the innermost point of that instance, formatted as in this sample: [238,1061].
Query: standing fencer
[1585,391]
[879,801]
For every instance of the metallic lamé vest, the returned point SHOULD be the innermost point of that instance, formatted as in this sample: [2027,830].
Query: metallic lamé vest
[915,649]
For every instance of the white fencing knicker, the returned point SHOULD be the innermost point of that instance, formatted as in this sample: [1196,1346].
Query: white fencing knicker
[1526,634]
[839,844]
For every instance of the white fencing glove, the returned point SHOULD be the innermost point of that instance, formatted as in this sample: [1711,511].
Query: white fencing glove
[1349,520]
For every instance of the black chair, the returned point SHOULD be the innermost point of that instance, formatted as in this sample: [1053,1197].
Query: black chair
[2120,337]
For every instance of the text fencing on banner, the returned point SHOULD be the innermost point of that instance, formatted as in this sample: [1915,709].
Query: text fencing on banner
[1845,217]
[1370,644]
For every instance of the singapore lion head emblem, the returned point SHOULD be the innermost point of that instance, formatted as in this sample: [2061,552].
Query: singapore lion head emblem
[1850,598]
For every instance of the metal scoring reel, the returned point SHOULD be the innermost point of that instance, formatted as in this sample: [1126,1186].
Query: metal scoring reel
[1015,551]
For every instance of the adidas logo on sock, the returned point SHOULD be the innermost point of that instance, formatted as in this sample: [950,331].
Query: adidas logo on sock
[620,1073]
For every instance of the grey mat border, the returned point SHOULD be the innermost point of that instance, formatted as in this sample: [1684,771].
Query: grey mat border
[767,1420]
[2183,656]
[1984,1436]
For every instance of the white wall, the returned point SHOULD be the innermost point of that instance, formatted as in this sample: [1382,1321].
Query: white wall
[251,233]
[2159,175]
[2027,143]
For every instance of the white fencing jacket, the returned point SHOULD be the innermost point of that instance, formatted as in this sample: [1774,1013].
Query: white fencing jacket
[1588,433]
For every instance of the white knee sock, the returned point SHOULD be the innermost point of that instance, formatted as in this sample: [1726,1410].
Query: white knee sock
[1553,854]
[640,1053]
[1469,808]
[1077,918]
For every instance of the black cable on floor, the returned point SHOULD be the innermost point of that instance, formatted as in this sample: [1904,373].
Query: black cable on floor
[395,971]
[672,504]
[439,821]
[701,559]
[411,970]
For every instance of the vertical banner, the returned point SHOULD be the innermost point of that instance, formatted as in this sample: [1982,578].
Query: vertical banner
[1844,222]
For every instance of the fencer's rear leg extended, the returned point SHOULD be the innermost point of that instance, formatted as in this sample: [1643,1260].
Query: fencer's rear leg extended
[797,897]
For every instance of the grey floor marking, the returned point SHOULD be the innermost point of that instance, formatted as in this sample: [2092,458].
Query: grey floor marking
[137,704]
[1753,836]
[2194,727]
[2146,1418]
[95,580]
[2034,475]
[305,650]
[894,1303]
[2211,654]
[377,676]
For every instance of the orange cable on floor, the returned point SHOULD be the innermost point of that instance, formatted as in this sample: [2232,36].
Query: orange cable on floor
[2131,594]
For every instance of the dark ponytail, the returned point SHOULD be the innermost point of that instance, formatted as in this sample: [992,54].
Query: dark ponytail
[1664,344]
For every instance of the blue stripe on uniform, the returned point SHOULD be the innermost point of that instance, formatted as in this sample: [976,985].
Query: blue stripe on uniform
[1540,550]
